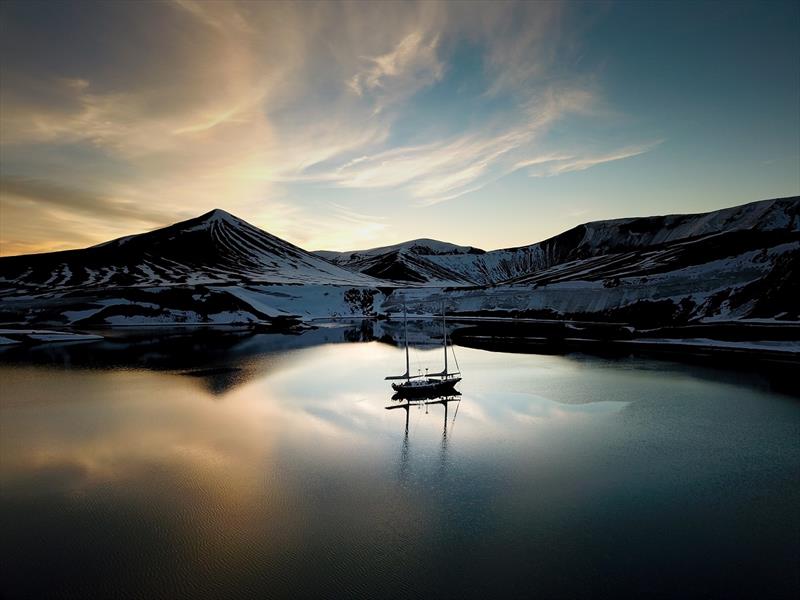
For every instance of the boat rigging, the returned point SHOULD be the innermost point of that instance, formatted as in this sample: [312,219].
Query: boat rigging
[429,383]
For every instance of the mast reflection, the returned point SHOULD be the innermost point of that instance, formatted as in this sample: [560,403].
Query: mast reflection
[406,404]
[444,400]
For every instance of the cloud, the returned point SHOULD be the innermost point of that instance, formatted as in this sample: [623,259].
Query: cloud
[48,194]
[23,231]
[157,111]
[39,216]
[392,77]
[447,169]
[526,42]
[547,166]
[329,225]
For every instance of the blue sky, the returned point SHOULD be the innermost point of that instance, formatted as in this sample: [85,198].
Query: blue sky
[350,125]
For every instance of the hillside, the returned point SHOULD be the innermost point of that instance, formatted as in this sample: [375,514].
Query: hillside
[733,264]
[215,268]
[613,238]
[214,248]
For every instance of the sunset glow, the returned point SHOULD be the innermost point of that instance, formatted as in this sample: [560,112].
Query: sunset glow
[348,125]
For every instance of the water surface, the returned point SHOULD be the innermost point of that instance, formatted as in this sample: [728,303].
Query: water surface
[275,470]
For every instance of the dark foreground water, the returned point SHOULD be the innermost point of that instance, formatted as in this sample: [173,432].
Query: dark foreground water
[276,472]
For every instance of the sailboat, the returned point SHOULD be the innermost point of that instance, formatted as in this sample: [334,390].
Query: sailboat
[415,386]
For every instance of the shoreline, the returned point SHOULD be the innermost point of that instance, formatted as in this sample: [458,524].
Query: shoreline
[765,342]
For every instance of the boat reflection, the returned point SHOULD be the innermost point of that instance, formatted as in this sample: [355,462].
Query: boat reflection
[426,401]
[406,404]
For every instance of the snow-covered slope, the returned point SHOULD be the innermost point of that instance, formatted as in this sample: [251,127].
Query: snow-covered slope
[215,248]
[215,268]
[753,284]
[737,263]
[410,263]
[420,247]
[409,269]
[750,226]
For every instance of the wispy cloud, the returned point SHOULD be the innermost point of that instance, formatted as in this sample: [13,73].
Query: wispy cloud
[190,105]
[447,169]
[412,65]
[65,216]
[79,200]
[556,165]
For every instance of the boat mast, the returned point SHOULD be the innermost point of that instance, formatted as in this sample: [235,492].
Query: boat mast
[444,337]
[405,326]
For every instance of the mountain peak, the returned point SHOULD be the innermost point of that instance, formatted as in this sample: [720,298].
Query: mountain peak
[213,248]
[419,246]
[218,215]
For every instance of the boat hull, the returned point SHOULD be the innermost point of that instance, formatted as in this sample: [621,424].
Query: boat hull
[416,389]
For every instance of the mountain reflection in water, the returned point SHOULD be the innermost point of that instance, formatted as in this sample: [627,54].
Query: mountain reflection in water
[218,358]
[206,465]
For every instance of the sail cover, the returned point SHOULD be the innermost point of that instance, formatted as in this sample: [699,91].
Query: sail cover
[406,376]
[444,373]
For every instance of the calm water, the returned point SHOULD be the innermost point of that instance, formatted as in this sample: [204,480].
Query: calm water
[277,471]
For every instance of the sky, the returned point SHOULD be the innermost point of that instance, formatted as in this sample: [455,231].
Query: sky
[350,125]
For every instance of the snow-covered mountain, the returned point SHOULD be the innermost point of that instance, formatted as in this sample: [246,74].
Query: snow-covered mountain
[732,264]
[439,262]
[736,263]
[214,248]
[420,247]
[213,268]
[408,263]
